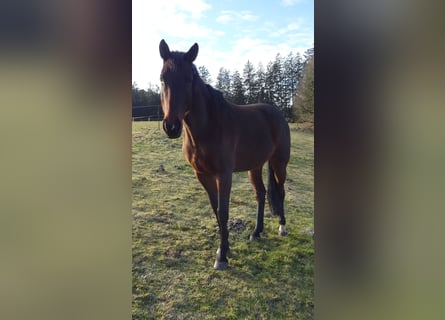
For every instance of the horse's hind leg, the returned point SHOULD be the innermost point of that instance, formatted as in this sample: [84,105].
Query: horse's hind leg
[256,179]
[277,177]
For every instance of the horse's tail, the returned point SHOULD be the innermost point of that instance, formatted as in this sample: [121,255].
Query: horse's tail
[273,195]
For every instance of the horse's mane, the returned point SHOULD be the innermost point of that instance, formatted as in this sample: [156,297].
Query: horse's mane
[217,95]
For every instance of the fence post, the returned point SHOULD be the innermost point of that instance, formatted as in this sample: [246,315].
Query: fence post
[159,121]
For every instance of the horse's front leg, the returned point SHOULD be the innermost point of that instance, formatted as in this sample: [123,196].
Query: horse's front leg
[208,181]
[224,184]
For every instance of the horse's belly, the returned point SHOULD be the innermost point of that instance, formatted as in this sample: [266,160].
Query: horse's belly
[253,148]
[249,159]
[249,165]
[237,157]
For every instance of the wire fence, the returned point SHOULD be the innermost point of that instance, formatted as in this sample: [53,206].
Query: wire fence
[147,113]
[145,118]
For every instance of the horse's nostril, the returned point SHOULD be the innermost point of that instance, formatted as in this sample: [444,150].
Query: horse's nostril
[173,129]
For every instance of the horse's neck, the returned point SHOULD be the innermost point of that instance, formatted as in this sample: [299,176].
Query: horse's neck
[198,120]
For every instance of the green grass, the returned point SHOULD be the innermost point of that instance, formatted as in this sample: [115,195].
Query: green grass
[175,239]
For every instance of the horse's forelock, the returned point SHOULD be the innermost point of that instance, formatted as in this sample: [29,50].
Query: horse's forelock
[176,63]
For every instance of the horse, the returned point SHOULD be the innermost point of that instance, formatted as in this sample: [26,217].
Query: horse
[221,138]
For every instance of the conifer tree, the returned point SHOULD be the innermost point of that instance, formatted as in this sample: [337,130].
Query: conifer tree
[304,98]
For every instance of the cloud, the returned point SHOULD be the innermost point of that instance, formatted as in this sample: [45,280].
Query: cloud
[249,48]
[252,48]
[176,21]
[195,8]
[288,3]
[293,26]
[227,16]
[224,18]
[228,43]
[288,29]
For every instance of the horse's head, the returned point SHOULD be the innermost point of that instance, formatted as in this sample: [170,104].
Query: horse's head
[176,86]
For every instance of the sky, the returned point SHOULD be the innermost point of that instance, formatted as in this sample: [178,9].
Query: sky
[229,33]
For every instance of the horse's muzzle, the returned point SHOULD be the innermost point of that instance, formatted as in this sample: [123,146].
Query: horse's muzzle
[173,129]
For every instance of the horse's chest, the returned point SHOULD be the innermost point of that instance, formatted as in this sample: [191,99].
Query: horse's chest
[203,160]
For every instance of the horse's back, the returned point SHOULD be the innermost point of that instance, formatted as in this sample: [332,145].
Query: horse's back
[262,133]
[266,119]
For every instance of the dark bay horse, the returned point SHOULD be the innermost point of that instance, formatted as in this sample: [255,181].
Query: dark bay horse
[221,138]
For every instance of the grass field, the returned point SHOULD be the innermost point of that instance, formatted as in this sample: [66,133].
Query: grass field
[175,239]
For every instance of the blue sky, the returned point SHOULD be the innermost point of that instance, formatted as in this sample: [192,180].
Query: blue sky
[229,33]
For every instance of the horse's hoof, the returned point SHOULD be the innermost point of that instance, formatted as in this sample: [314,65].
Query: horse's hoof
[282,231]
[228,253]
[220,265]
[254,237]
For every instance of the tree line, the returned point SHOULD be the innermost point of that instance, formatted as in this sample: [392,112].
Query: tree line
[141,97]
[287,82]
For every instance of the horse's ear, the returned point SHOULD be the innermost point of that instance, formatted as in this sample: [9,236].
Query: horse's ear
[164,50]
[190,55]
